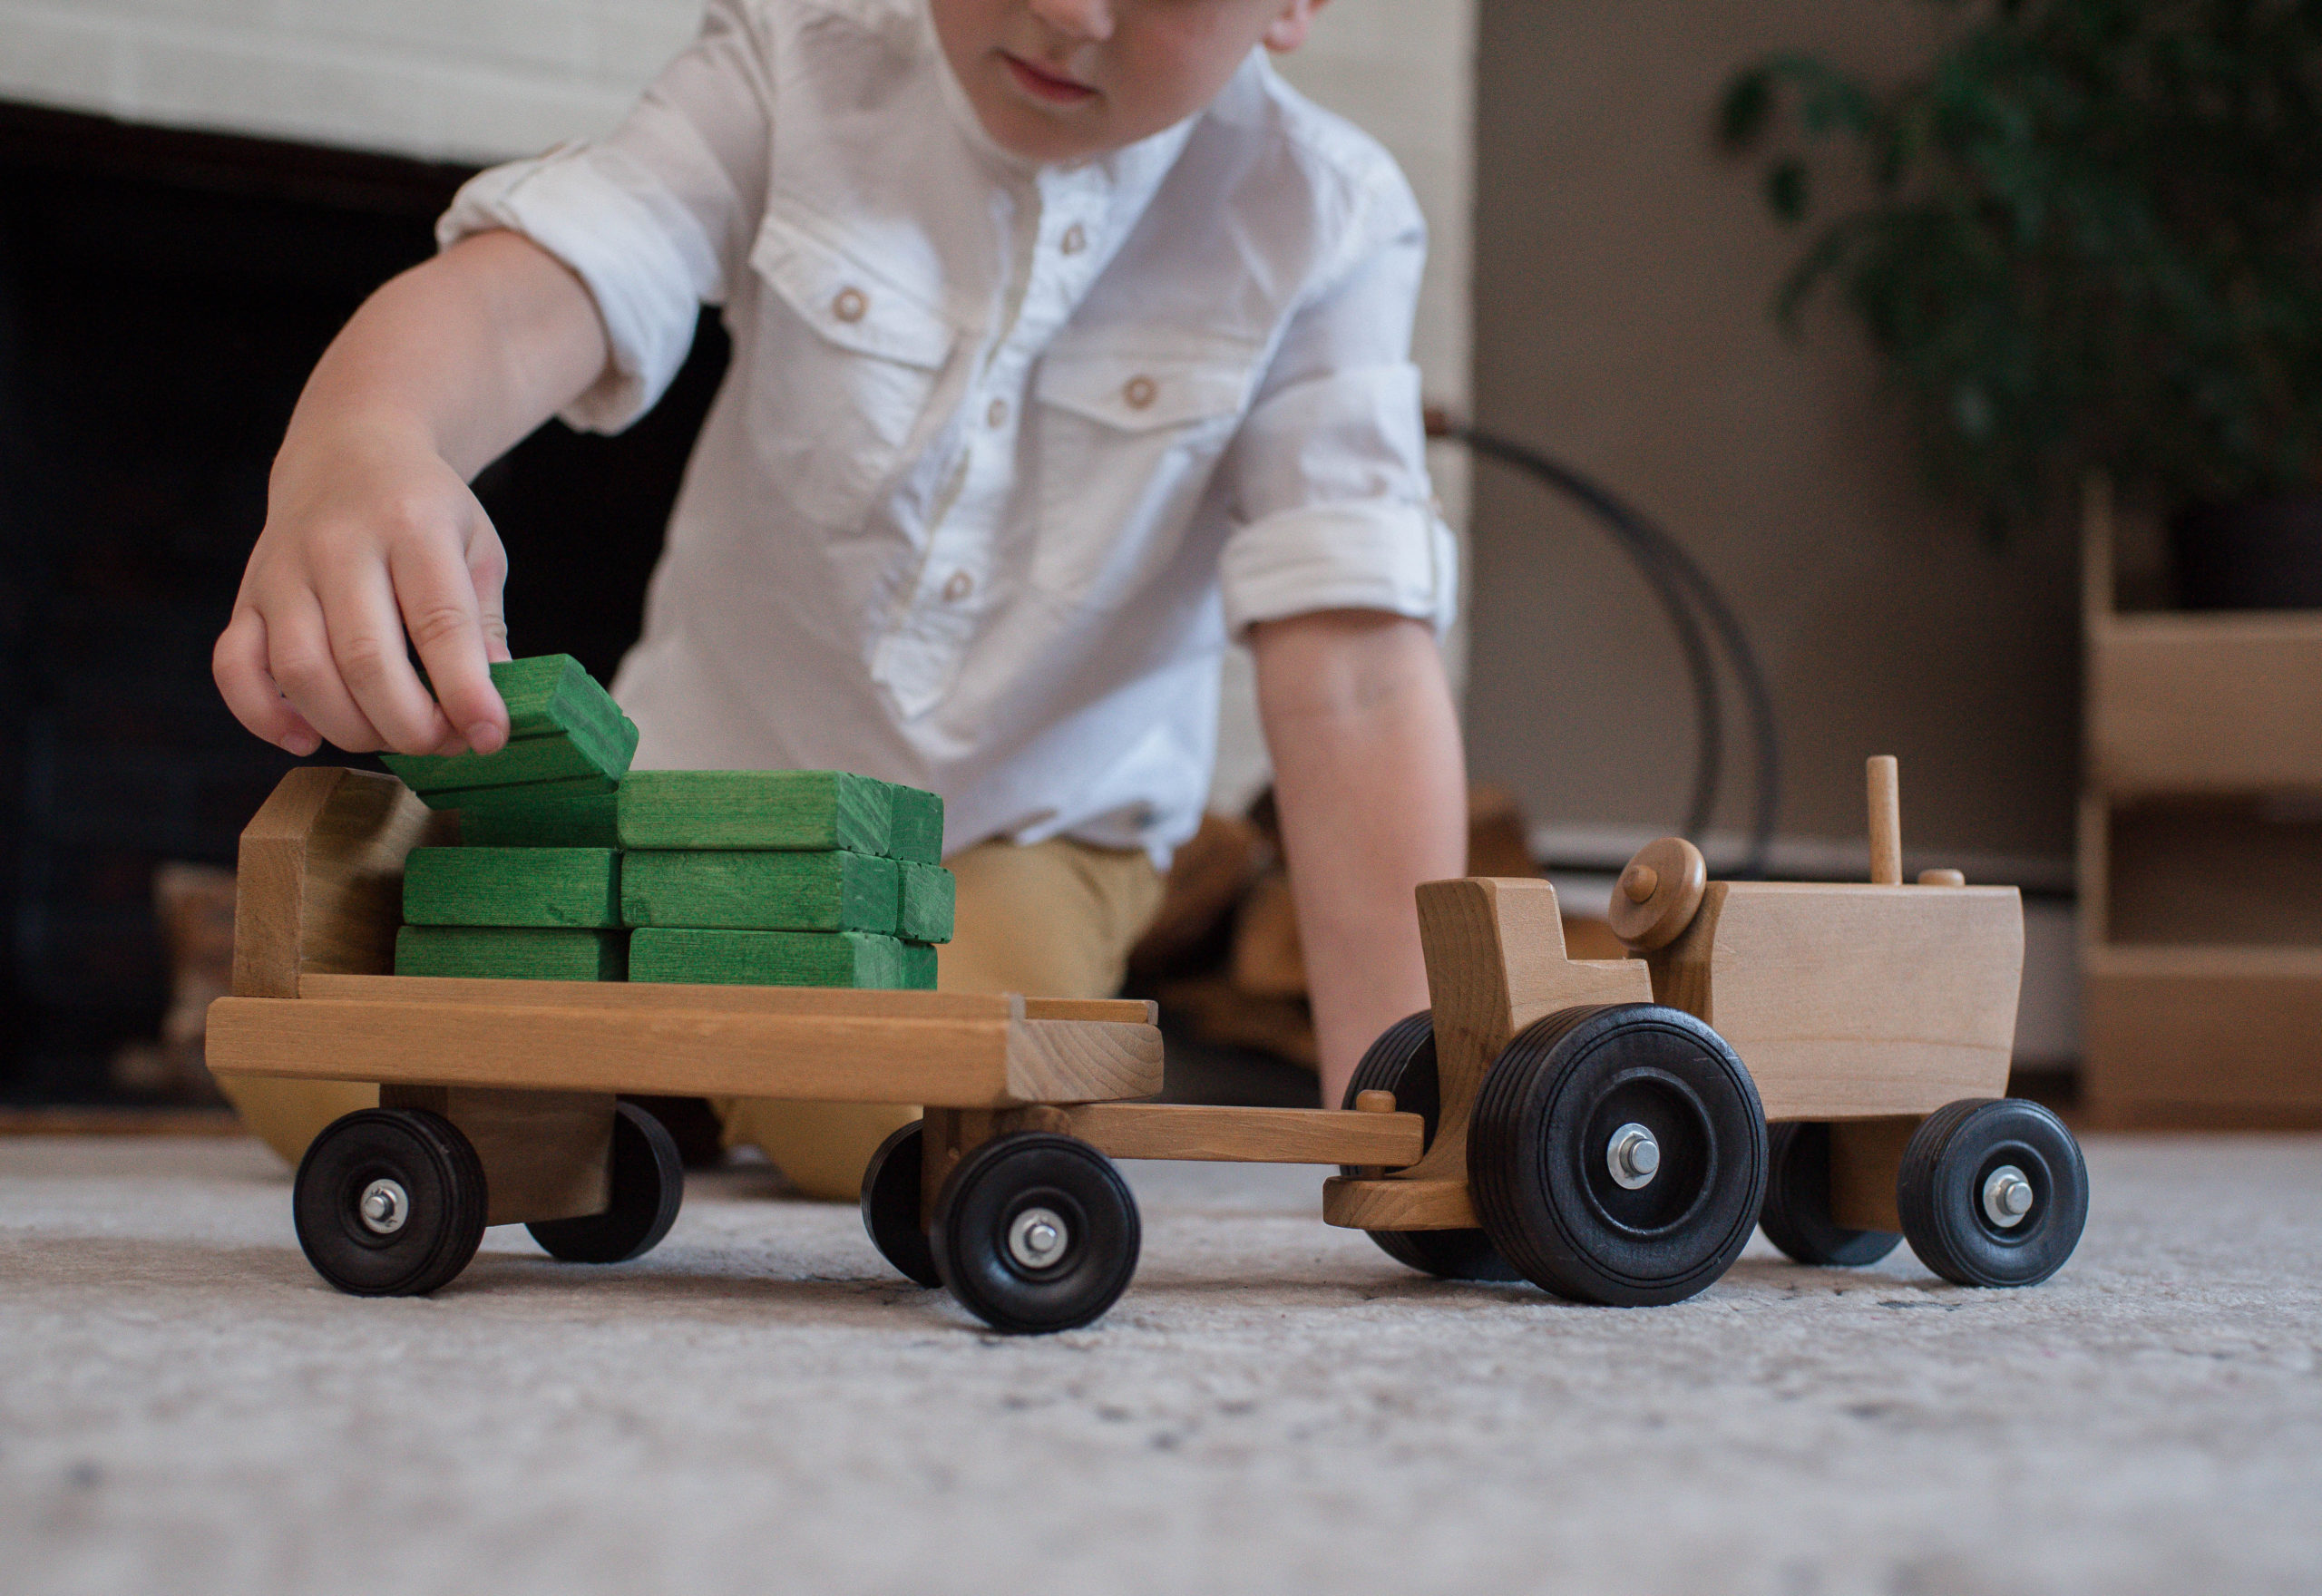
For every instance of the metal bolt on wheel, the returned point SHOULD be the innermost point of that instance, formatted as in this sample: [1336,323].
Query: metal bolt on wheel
[1633,1158]
[384,1208]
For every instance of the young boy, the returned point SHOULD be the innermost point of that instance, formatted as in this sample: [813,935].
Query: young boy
[1068,342]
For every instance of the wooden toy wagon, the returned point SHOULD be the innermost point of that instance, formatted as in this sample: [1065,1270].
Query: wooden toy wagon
[1578,1124]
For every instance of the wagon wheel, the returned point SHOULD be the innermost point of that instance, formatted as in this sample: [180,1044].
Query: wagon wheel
[891,1205]
[1618,1154]
[389,1203]
[1402,1061]
[1993,1193]
[1796,1217]
[648,1183]
[1034,1232]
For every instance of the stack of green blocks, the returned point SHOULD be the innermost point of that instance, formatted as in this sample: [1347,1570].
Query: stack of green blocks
[535,892]
[782,878]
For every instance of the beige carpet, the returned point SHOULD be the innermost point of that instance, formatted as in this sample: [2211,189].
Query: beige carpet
[1274,1405]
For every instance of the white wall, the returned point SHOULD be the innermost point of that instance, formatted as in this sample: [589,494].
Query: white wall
[451,80]
[485,80]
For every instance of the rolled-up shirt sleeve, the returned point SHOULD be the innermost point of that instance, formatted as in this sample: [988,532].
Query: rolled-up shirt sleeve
[1331,498]
[654,218]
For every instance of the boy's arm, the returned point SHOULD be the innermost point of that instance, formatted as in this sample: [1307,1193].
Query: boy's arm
[1370,785]
[371,531]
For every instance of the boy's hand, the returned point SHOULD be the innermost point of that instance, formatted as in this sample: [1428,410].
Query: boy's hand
[368,535]
[371,532]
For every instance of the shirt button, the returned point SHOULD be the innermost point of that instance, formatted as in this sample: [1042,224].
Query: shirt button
[997,415]
[1075,239]
[961,585]
[850,304]
[1140,393]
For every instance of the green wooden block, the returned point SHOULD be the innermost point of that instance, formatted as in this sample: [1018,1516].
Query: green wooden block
[551,692]
[761,891]
[918,826]
[919,967]
[925,912]
[561,725]
[546,815]
[765,958]
[511,953]
[807,810]
[512,887]
[443,782]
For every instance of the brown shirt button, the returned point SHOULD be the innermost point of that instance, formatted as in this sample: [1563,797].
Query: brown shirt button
[997,415]
[850,304]
[961,585]
[1075,239]
[1140,393]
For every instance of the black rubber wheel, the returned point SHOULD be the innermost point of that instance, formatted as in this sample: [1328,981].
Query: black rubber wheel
[1035,1233]
[1402,1061]
[649,1184]
[891,1205]
[1796,1217]
[1562,1102]
[389,1203]
[1955,1186]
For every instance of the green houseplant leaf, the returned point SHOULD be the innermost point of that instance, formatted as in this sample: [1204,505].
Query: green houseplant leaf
[2090,239]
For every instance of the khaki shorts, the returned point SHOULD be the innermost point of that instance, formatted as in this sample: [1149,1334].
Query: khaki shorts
[1050,919]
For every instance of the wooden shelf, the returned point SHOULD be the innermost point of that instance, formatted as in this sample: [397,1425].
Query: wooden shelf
[2215,703]
[2201,861]
[2204,1036]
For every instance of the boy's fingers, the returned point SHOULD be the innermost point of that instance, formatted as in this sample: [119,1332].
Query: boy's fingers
[441,613]
[367,643]
[488,576]
[238,665]
[298,658]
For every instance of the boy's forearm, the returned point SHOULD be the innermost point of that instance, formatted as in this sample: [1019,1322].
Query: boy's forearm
[1370,783]
[467,354]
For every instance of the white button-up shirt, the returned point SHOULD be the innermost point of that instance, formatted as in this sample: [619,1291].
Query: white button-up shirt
[1006,452]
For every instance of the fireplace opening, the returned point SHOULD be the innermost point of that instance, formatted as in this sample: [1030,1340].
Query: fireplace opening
[162,297]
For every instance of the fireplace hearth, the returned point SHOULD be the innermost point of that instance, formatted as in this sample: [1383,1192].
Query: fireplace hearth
[162,296]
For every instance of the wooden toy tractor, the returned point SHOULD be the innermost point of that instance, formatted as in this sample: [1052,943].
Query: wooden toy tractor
[1600,1128]
[1828,1061]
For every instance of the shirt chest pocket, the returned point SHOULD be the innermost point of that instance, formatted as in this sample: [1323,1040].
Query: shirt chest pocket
[843,368]
[1125,450]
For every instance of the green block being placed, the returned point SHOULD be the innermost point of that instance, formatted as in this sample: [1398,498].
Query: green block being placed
[765,891]
[561,726]
[512,887]
[551,692]
[765,958]
[806,811]
[511,953]
[918,826]
[925,913]
[445,781]
[546,815]
[919,967]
